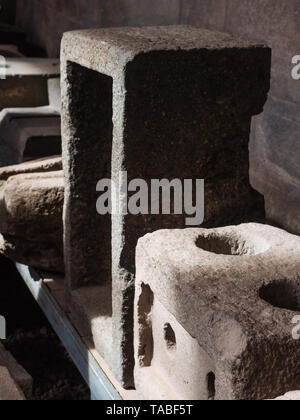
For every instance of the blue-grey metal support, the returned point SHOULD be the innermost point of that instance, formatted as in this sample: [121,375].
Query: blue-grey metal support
[99,384]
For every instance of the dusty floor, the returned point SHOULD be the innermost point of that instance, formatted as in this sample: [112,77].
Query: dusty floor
[33,343]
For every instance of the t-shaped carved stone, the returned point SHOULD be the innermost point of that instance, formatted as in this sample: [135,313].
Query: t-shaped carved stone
[159,102]
[214,313]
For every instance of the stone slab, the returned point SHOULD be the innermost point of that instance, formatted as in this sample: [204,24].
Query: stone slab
[23,380]
[42,67]
[31,207]
[39,165]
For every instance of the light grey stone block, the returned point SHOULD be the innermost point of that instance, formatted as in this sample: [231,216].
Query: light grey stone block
[214,313]
[31,205]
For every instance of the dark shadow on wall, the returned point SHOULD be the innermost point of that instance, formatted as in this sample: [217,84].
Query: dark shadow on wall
[7,11]
[45,21]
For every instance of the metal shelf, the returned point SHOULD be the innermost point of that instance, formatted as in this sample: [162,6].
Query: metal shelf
[92,368]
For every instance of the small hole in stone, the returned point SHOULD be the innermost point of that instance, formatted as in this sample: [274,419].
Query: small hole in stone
[170,337]
[145,304]
[211,386]
[282,294]
[231,245]
[215,244]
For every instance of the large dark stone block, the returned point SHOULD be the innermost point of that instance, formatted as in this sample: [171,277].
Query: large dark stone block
[162,102]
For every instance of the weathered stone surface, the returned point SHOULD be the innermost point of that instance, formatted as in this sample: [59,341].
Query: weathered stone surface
[26,82]
[9,390]
[39,165]
[221,303]
[21,377]
[91,309]
[31,207]
[167,111]
[30,199]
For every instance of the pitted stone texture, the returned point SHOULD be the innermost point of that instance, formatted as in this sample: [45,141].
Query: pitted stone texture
[29,200]
[176,102]
[31,207]
[118,46]
[39,165]
[235,291]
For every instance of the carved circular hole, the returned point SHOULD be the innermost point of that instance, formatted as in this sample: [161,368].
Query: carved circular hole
[282,294]
[170,337]
[231,245]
